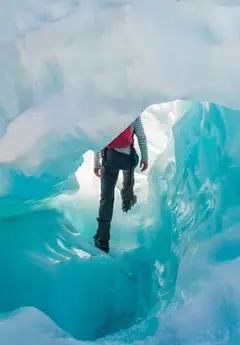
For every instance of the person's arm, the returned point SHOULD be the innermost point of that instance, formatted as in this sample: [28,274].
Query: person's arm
[142,141]
[97,164]
[97,156]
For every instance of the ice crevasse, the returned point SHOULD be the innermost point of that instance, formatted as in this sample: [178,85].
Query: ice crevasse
[73,74]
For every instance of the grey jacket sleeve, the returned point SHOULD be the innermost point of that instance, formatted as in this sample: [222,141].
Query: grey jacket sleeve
[142,141]
[97,157]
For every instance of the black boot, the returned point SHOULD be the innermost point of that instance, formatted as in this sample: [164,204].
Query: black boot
[128,204]
[101,245]
[102,237]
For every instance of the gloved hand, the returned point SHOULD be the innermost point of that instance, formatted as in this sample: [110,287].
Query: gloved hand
[97,171]
[143,165]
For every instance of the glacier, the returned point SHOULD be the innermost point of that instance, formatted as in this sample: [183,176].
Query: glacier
[73,74]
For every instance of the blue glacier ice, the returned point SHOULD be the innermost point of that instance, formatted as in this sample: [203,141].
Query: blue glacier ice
[73,74]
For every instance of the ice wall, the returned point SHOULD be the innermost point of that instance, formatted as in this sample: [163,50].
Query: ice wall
[181,243]
[73,74]
[63,62]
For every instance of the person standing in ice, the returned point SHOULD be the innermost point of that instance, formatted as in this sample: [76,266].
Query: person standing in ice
[120,154]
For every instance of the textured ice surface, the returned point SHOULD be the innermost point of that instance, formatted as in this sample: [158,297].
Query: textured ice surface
[72,75]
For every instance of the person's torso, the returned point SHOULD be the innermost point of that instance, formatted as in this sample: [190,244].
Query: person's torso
[127,149]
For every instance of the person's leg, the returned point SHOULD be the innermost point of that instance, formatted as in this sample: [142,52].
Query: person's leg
[127,194]
[129,199]
[109,178]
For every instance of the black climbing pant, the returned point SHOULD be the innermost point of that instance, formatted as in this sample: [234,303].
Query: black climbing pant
[113,162]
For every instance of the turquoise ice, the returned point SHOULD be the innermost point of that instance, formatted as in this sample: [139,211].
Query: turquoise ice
[72,75]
